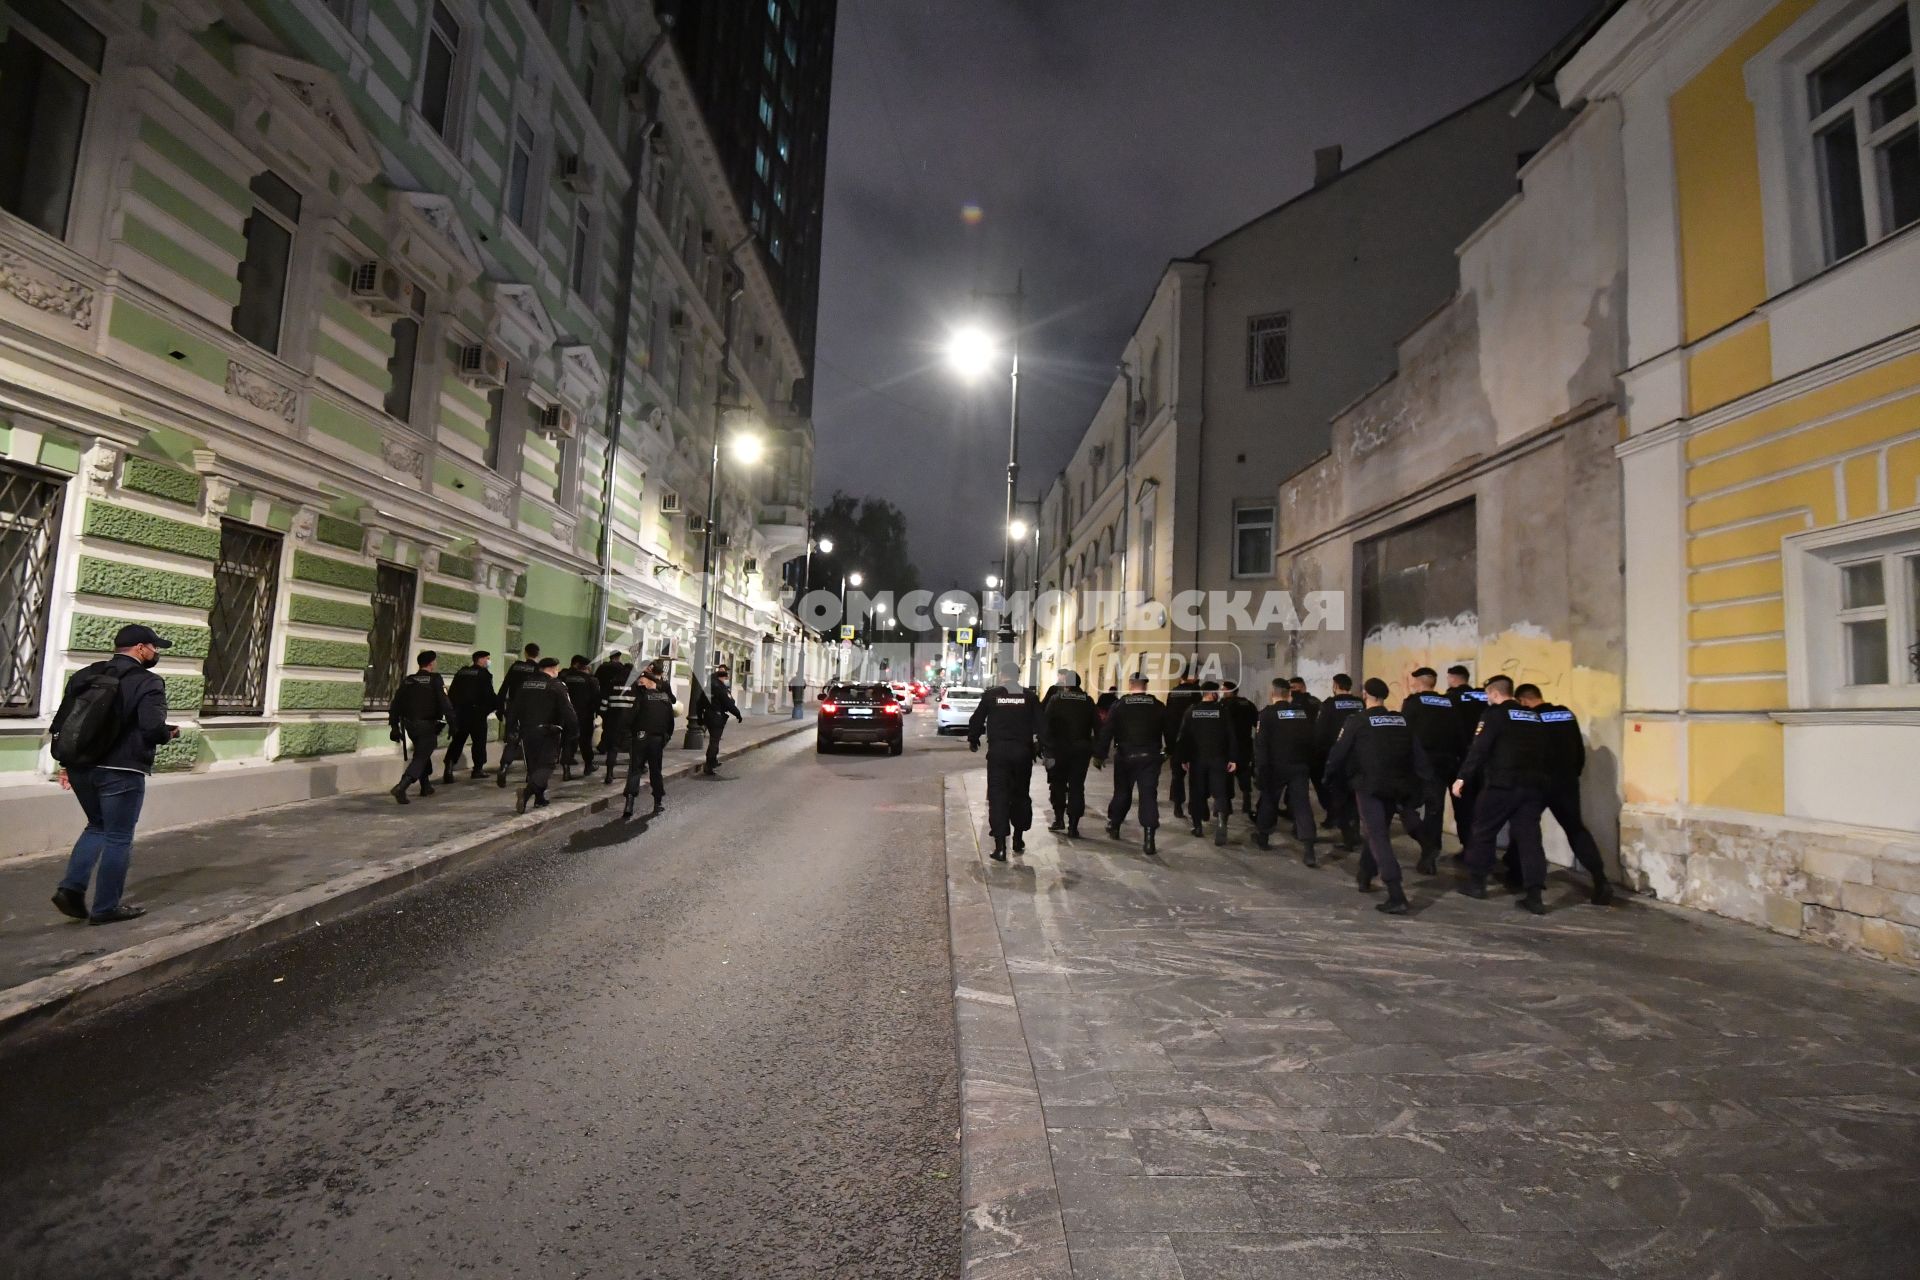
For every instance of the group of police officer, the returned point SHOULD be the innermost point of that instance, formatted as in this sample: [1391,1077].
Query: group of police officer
[549,716]
[1503,755]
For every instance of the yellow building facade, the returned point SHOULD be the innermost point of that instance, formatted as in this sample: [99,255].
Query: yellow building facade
[1770,459]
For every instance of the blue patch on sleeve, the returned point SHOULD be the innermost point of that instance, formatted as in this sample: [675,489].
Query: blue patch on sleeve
[1388,721]
[1556,717]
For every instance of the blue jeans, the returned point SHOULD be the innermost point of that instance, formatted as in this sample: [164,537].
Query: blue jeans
[112,800]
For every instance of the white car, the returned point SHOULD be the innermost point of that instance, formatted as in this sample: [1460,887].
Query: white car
[956,708]
[903,694]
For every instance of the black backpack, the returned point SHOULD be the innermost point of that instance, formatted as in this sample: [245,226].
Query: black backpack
[91,726]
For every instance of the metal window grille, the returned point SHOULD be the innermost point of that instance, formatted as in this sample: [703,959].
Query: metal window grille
[392,632]
[245,581]
[1267,350]
[29,533]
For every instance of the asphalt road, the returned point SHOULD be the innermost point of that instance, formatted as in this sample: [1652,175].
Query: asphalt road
[716,1045]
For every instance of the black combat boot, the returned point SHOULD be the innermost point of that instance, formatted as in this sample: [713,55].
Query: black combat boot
[999,853]
[1530,902]
[1475,887]
[540,800]
[1073,828]
[478,773]
[1427,866]
[426,788]
[1220,831]
[1349,838]
[566,772]
[1113,831]
[520,800]
[399,792]
[1313,858]
[1058,824]
[626,810]
[659,806]
[446,776]
[1261,840]
[1149,848]
[1396,903]
[1602,891]
[1363,881]
[1179,808]
[500,778]
[1019,842]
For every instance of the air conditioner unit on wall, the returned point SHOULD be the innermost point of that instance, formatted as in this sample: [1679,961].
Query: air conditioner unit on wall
[576,175]
[752,565]
[558,421]
[481,365]
[670,503]
[381,290]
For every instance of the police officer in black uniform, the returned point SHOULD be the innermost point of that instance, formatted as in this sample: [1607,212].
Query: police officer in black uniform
[1009,716]
[1297,691]
[616,725]
[541,718]
[1469,704]
[1205,750]
[1068,721]
[517,672]
[1510,759]
[718,706]
[418,708]
[615,675]
[1283,762]
[1183,695]
[1566,760]
[1243,717]
[1385,768]
[584,691]
[651,725]
[1435,723]
[474,702]
[1134,732]
[1335,799]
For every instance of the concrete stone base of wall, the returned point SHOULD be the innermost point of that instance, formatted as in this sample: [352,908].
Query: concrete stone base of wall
[37,817]
[1856,888]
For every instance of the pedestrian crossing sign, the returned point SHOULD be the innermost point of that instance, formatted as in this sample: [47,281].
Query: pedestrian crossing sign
[964,636]
[846,631]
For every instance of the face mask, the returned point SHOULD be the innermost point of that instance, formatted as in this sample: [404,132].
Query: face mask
[151,661]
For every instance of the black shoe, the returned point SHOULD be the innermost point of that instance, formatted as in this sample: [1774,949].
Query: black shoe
[478,773]
[1220,832]
[1530,902]
[1313,858]
[1475,888]
[1261,841]
[1349,840]
[1149,846]
[1427,866]
[520,800]
[399,792]
[1196,829]
[540,800]
[1179,809]
[659,806]
[446,778]
[999,853]
[500,778]
[426,788]
[566,773]
[1073,829]
[119,913]
[71,902]
[626,810]
[1113,831]
[1363,882]
[1602,892]
[1058,823]
[1019,842]
[1396,903]
[609,779]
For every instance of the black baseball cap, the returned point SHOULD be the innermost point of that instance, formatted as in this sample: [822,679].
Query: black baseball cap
[135,633]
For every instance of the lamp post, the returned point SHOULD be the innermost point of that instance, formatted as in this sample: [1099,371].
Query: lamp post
[1018,531]
[747,448]
[972,353]
[846,579]
[825,547]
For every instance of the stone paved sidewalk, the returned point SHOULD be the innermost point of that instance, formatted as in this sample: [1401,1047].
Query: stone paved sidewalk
[192,876]
[1225,1065]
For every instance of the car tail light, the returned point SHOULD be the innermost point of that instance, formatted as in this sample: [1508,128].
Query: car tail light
[828,708]
[946,706]
[893,708]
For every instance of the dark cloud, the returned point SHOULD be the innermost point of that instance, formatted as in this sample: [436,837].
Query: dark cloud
[1101,138]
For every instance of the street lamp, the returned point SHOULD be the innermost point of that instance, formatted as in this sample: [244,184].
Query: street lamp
[972,352]
[993,582]
[846,580]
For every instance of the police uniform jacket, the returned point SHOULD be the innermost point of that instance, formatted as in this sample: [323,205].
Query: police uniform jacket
[1469,704]
[1284,741]
[1009,718]
[1436,724]
[541,701]
[472,693]
[653,709]
[1567,754]
[1179,699]
[1206,734]
[584,691]
[520,669]
[1243,717]
[1378,754]
[1511,748]
[421,696]
[720,703]
[1307,703]
[1136,727]
[612,676]
[1331,718]
[1068,721]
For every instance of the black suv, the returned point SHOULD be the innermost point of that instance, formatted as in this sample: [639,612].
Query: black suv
[864,713]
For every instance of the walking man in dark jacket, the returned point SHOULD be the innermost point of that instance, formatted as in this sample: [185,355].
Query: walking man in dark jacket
[719,706]
[517,673]
[474,702]
[1283,759]
[1135,731]
[1384,767]
[1243,718]
[1184,694]
[541,718]
[1509,758]
[1435,722]
[1335,798]
[1009,717]
[112,787]
[1068,722]
[1469,704]
[613,675]
[414,716]
[584,691]
[650,726]
[1205,750]
[1567,759]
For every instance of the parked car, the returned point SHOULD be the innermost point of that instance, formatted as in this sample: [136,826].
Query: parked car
[957,703]
[902,694]
[867,714]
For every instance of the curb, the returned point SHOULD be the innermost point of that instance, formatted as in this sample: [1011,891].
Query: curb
[87,988]
[1011,1226]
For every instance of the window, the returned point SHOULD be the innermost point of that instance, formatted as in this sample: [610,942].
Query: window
[389,642]
[438,68]
[1267,350]
[1853,604]
[263,272]
[1866,137]
[403,364]
[520,176]
[29,531]
[48,67]
[581,275]
[1253,542]
[346,12]
[244,583]
[761,165]
[780,194]
[1144,577]
[766,111]
[590,78]
[496,425]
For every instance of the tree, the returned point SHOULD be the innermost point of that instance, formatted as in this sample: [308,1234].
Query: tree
[868,535]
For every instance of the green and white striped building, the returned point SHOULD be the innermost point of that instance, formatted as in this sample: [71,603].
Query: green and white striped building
[312,314]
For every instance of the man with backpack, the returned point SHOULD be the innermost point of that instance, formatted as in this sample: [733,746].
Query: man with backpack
[112,716]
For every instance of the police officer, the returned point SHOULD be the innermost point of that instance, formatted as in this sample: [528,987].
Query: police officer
[584,692]
[1297,691]
[1134,732]
[1510,759]
[1243,718]
[414,716]
[473,701]
[1469,704]
[1107,699]
[616,725]
[718,706]
[1567,759]
[1436,725]
[1206,752]
[1283,761]
[615,675]
[541,718]
[528,664]
[1183,695]
[1009,716]
[1385,769]
[1335,798]
[1068,721]
[651,725]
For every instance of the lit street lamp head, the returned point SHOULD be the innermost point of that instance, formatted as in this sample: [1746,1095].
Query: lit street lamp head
[1018,529]
[993,581]
[825,545]
[971,351]
[747,447]
[855,579]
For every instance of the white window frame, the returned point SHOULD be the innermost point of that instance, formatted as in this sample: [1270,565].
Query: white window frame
[97,83]
[1816,653]
[460,87]
[528,223]
[1792,204]
[1271,524]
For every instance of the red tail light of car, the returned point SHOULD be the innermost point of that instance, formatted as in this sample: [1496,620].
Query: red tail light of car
[946,706]
[893,708]
[828,708]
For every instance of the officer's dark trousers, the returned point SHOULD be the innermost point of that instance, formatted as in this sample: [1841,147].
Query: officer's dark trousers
[716,725]
[613,736]
[1376,825]
[1009,794]
[1433,802]
[1177,784]
[467,726]
[1463,810]
[1067,784]
[1209,789]
[1518,809]
[1244,776]
[585,744]
[542,745]
[1140,773]
[422,737]
[1563,801]
[1336,796]
[1290,786]
[648,751]
[510,750]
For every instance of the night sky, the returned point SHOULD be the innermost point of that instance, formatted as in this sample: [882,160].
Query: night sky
[1098,139]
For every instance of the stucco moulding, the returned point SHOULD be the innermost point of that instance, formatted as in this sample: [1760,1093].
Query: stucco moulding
[44,289]
[260,391]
